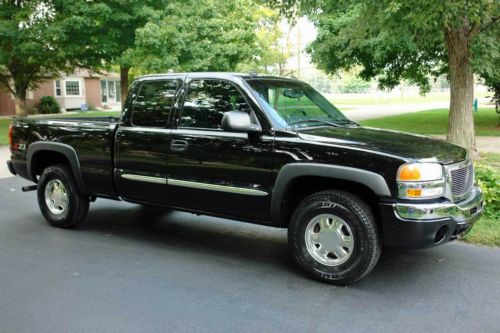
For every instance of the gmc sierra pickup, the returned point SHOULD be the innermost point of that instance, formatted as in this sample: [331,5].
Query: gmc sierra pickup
[259,149]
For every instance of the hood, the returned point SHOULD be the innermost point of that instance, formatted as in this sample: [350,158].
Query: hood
[403,145]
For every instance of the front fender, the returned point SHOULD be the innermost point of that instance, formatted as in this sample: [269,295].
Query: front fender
[289,172]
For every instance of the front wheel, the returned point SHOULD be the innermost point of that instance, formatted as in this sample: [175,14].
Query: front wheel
[61,203]
[333,236]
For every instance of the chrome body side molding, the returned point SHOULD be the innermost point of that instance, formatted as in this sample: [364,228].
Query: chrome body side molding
[148,179]
[195,185]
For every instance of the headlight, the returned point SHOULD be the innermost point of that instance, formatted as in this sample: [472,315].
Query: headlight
[420,181]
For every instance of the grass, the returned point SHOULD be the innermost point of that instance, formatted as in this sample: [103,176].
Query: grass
[491,159]
[369,99]
[4,131]
[435,122]
[486,231]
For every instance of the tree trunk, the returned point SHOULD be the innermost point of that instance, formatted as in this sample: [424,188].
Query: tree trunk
[124,83]
[20,107]
[461,118]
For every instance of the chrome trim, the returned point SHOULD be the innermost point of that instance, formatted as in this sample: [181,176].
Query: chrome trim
[295,157]
[460,212]
[214,187]
[447,171]
[148,179]
[196,185]
[403,186]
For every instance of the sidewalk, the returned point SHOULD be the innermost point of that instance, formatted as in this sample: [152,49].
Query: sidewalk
[4,156]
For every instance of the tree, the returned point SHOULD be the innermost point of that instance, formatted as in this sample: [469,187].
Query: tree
[410,40]
[115,33]
[38,40]
[273,47]
[196,35]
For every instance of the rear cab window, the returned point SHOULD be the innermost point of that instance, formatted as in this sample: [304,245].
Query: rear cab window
[154,102]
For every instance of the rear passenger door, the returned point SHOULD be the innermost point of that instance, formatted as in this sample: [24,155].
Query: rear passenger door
[142,141]
[212,170]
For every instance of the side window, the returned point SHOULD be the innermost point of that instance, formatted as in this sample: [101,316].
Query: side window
[153,103]
[207,101]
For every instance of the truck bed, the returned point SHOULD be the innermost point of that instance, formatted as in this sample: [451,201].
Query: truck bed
[91,137]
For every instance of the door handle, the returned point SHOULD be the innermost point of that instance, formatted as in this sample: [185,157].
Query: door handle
[179,145]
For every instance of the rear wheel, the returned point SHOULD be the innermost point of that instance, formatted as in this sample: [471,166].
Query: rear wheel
[60,202]
[333,236]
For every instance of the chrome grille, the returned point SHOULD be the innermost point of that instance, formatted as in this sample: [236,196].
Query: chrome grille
[462,180]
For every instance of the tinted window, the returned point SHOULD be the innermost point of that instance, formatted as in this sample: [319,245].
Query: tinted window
[153,104]
[295,103]
[208,100]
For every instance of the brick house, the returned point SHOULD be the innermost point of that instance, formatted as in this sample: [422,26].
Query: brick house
[71,91]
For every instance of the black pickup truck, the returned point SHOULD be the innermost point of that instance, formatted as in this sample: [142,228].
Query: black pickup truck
[258,149]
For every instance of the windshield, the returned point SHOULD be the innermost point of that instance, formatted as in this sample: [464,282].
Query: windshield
[296,104]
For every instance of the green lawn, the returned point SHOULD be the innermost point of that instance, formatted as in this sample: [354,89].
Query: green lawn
[486,231]
[435,122]
[4,131]
[369,99]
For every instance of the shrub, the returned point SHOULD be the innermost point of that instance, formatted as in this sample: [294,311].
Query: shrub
[489,180]
[48,105]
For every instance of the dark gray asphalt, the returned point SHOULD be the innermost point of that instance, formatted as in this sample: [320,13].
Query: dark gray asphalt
[128,270]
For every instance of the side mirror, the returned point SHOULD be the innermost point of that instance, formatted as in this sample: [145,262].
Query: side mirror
[237,121]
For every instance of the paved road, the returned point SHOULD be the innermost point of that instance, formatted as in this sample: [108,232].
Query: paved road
[130,270]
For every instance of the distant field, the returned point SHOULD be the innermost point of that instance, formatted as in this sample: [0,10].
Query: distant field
[367,99]
[436,122]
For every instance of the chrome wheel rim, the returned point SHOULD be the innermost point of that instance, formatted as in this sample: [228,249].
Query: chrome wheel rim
[56,197]
[329,239]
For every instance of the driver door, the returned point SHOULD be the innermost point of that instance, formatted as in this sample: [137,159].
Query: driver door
[211,170]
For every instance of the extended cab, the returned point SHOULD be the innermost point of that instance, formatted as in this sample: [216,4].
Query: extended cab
[259,149]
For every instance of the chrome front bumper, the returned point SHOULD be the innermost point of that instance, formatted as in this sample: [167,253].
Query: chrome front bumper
[469,209]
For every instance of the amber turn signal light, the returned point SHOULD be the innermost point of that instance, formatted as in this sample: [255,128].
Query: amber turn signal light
[409,172]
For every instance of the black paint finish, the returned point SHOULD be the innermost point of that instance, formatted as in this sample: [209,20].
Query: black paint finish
[106,149]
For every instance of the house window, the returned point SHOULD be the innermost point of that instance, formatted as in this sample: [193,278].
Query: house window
[58,88]
[110,91]
[72,88]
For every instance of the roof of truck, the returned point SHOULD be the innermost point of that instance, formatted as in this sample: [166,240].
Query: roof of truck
[215,75]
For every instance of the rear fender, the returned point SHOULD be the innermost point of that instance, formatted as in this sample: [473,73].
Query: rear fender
[61,148]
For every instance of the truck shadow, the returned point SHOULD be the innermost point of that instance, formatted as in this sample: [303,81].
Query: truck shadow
[217,239]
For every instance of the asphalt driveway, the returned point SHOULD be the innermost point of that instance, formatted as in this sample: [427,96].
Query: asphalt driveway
[133,270]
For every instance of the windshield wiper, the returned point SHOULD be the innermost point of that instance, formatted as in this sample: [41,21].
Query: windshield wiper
[311,120]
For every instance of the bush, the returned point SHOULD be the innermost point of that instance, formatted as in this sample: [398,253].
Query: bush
[48,105]
[489,180]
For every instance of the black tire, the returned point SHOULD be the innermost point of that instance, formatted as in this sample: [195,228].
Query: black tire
[77,204]
[357,215]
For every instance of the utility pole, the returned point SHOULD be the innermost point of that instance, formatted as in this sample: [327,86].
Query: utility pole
[298,50]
